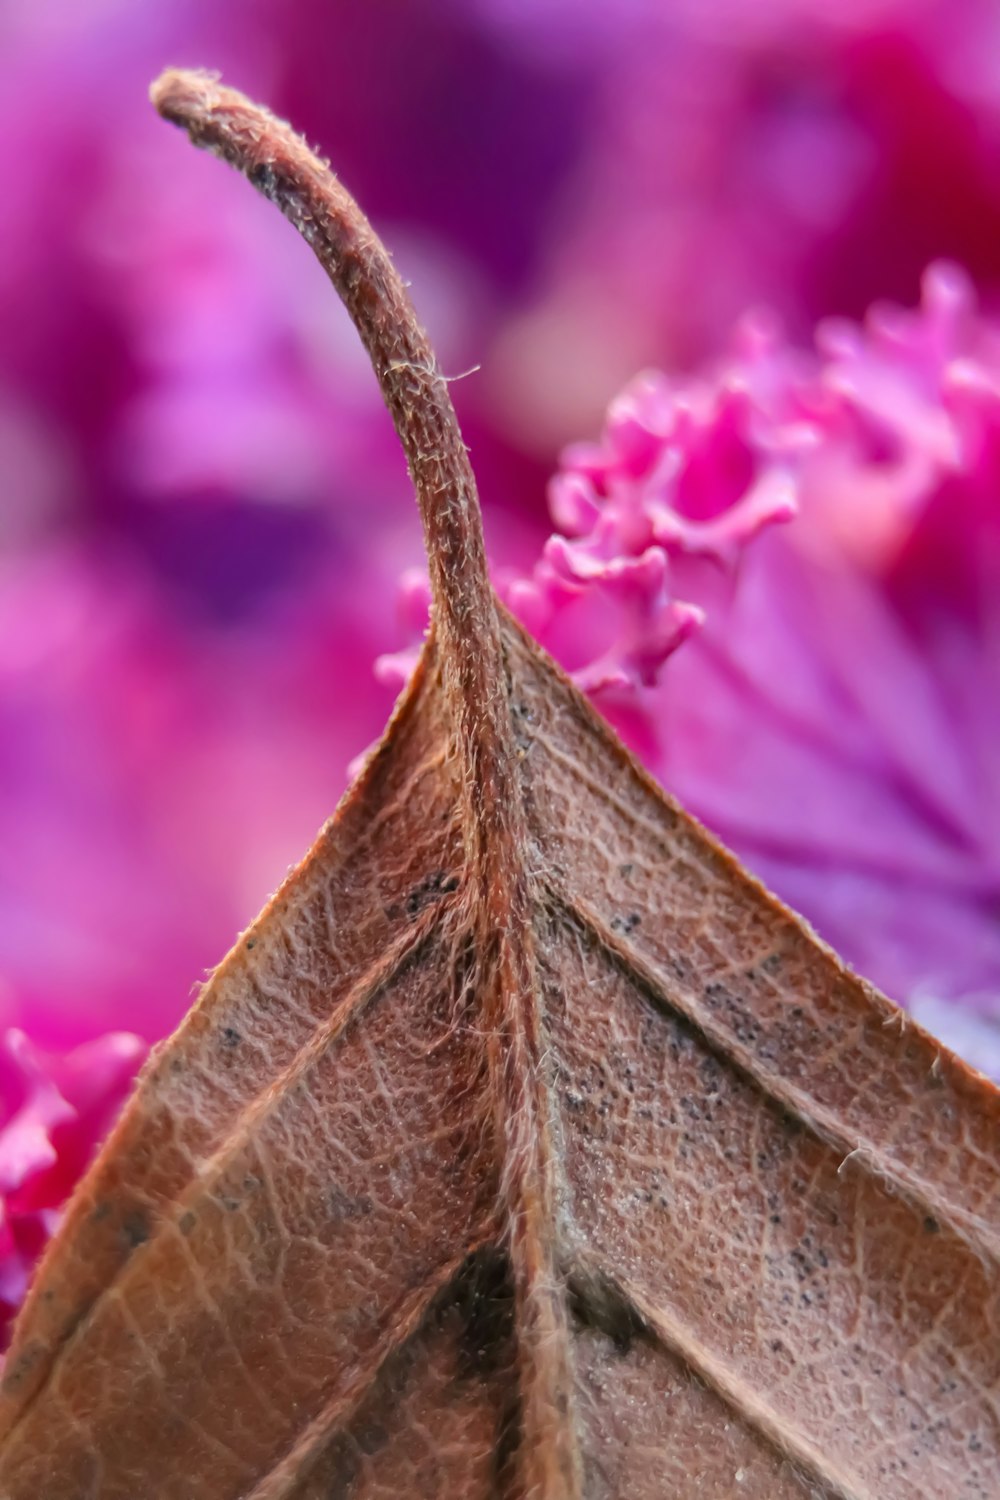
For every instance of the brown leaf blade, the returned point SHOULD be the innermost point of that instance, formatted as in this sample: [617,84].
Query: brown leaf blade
[525,1145]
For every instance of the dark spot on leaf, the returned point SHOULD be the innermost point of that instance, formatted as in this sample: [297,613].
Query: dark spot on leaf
[15,1371]
[347,1206]
[428,890]
[597,1302]
[483,1296]
[135,1227]
[371,1437]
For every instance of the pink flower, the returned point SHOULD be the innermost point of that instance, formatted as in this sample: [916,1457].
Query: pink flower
[683,470]
[54,1112]
[837,719]
[678,473]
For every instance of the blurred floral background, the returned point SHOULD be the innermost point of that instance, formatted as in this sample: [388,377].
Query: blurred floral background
[720,278]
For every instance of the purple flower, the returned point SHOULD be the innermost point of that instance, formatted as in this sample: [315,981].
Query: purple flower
[54,1111]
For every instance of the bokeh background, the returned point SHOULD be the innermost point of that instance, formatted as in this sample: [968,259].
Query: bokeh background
[204,517]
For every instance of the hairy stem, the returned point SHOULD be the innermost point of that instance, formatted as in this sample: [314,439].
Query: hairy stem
[280,165]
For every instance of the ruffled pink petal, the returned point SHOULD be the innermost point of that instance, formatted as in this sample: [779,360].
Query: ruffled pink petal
[54,1113]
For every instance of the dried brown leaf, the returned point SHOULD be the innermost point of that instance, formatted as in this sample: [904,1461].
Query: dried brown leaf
[524,1145]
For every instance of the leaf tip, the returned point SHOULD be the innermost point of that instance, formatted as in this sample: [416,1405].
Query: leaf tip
[181,94]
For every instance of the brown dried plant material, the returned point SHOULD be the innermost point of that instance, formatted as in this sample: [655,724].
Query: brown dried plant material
[524,1146]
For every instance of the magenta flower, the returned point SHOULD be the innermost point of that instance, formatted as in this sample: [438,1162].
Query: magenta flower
[54,1111]
[837,719]
[683,469]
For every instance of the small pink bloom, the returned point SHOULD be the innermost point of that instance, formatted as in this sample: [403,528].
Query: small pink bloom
[54,1112]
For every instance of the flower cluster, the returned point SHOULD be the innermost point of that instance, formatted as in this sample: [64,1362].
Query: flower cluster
[681,471]
[684,469]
